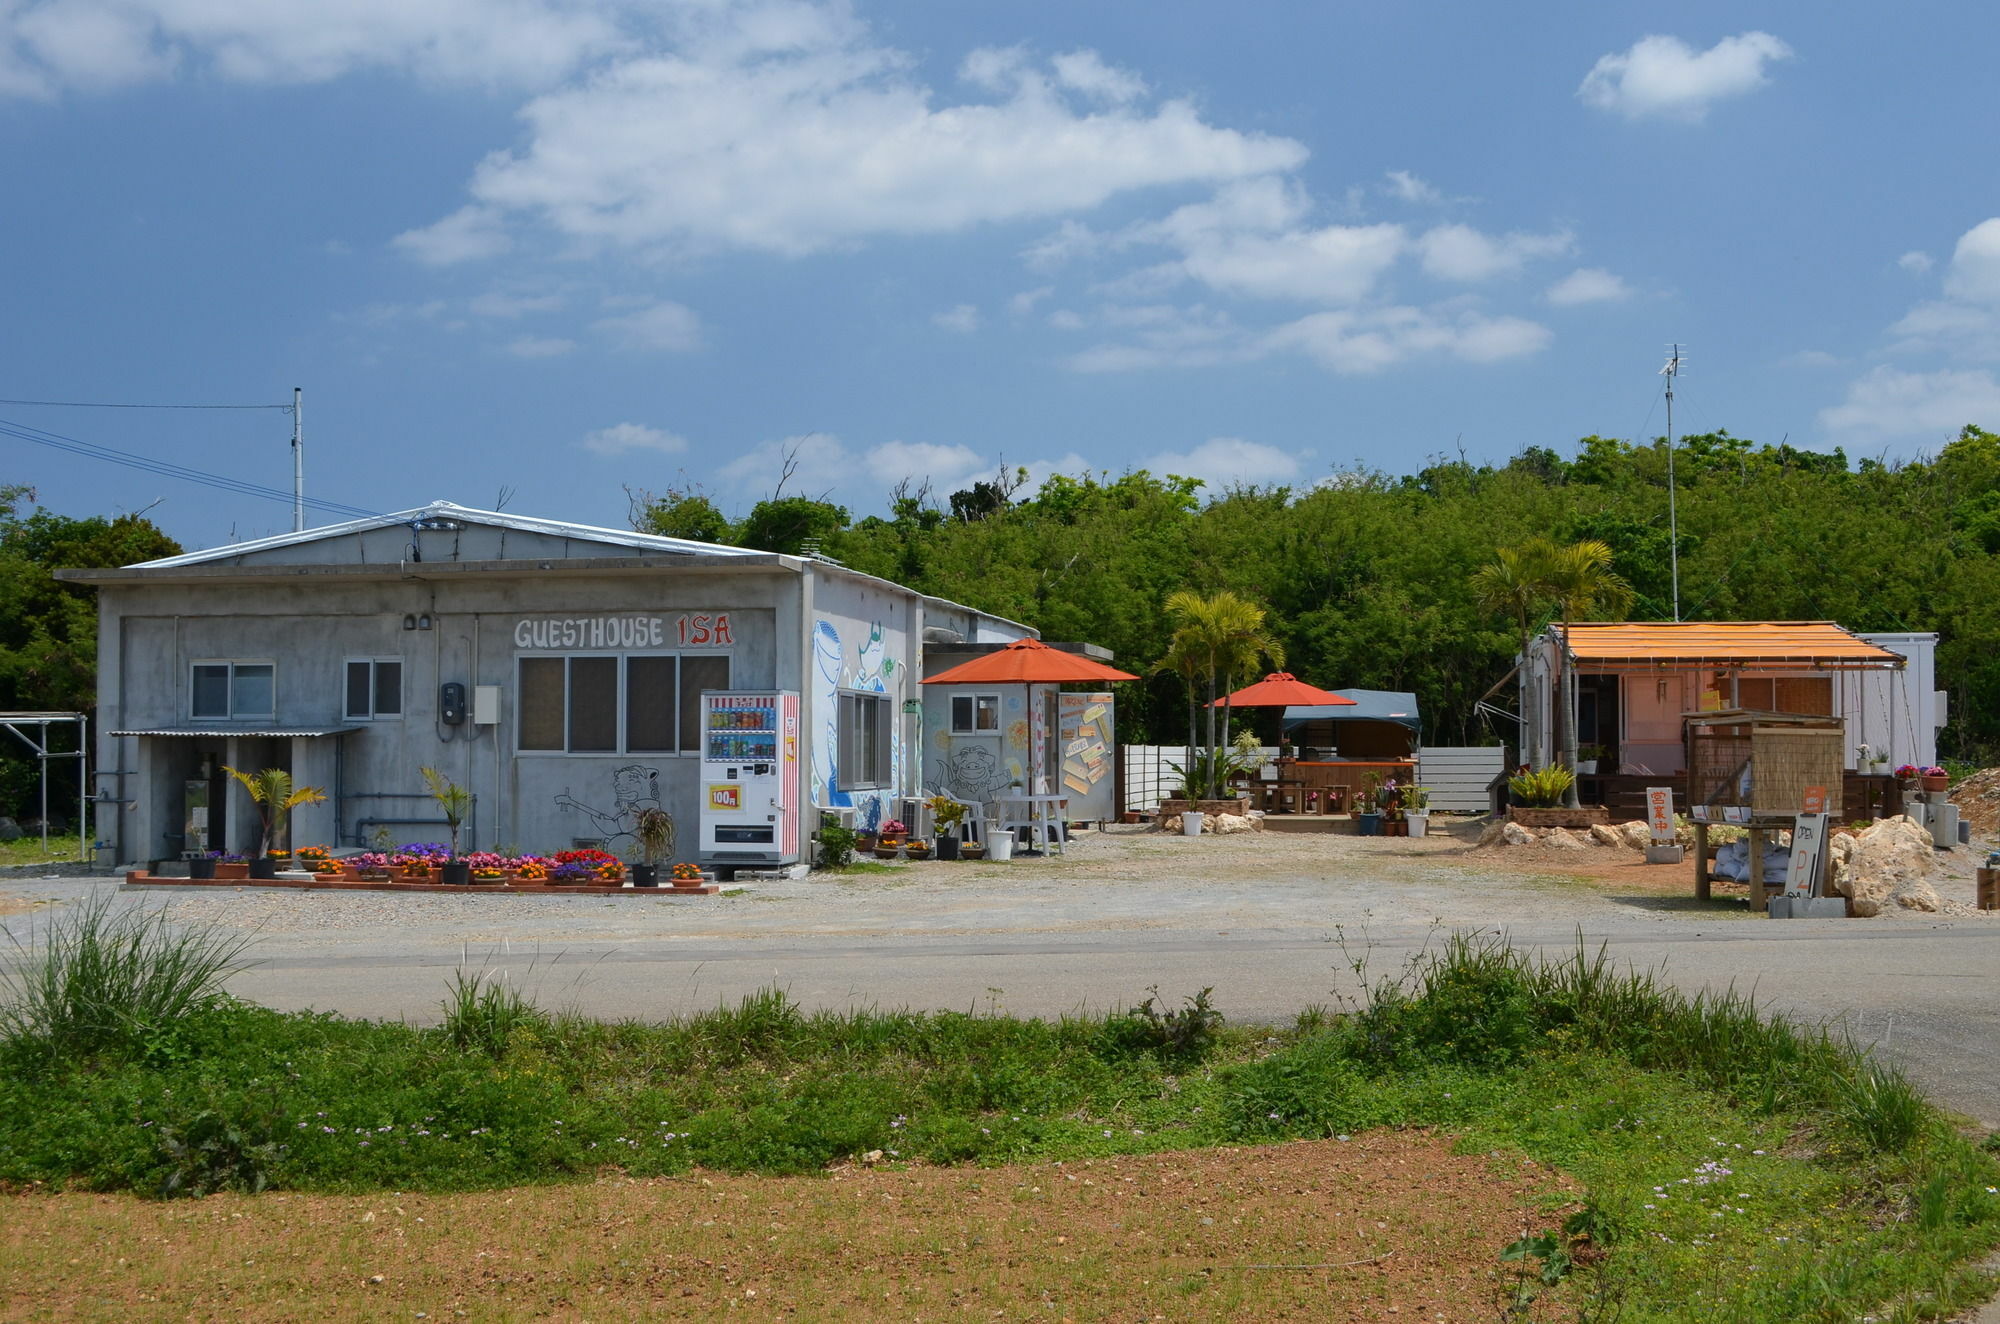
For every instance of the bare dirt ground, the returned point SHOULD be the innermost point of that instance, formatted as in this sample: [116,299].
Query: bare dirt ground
[1387,1226]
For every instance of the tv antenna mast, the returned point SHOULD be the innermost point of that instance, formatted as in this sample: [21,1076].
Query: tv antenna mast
[1672,372]
[299,461]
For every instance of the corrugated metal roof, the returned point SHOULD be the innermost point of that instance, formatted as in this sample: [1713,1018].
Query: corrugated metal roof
[1810,645]
[222,732]
[446,510]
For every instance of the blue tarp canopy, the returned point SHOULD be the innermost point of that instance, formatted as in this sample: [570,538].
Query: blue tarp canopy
[1369,706]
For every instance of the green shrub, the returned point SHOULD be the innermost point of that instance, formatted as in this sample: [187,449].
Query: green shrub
[1184,1034]
[105,979]
[1543,788]
[211,1153]
[481,1012]
[836,844]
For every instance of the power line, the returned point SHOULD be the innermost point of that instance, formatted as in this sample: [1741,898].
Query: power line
[98,404]
[167,469]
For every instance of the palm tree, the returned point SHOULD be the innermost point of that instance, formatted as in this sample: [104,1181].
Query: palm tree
[1579,580]
[271,791]
[1515,584]
[1218,637]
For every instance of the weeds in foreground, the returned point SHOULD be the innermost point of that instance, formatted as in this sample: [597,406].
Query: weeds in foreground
[1679,1114]
[101,978]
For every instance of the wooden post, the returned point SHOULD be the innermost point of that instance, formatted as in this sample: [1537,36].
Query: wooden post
[1701,878]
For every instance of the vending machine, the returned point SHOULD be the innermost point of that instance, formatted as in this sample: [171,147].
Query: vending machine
[749,779]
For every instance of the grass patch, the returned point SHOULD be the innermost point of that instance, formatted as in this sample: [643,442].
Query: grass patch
[28,850]
[1734,1167]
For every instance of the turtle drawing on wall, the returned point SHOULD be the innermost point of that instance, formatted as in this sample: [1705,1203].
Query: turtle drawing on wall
[634,787]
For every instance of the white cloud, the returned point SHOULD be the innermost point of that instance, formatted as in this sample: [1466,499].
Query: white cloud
[1664,76]
[1365,341]
[821,464]
[1062,319]
[961,319]
[1461,253]
[49,46]
[1586,285]
[1891,403]
[948,468]
[1409,188]
[665,326]
[540,347]
[1812,358]
[1024,303]
[1975,265]
[624,438]
[1084,71]
[1916,262]
[506,307]
[468,234]
[1966,322]
[832,142]
[1226,462]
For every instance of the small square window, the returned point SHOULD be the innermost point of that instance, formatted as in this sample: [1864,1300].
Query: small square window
[233,690]
[374,688]
[972,714]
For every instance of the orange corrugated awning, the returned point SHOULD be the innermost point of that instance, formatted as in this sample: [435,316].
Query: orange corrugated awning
[1742,645]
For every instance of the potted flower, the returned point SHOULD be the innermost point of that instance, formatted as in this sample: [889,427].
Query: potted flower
[571,873]
[275,861]
[202,863]
[1588,757]
[655,829]
[1369,814]
[971,850]
[1907,774]
[229,865]
[917,848]
[532,870]
[949,813]
[610,873]
[1417,809]
[488,874]
[1934,778]
[372,867]
[893,832]
[272,792]
[687,875]
[412,867]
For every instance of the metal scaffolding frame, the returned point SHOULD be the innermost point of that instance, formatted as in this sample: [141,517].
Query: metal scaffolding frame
[39,743]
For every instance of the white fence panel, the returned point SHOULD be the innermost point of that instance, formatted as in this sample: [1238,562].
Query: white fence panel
[1458,776]
[1148,778]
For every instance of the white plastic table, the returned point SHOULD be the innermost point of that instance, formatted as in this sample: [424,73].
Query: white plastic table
[1038,813]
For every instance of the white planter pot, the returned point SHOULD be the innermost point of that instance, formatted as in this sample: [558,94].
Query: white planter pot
[1191,823]
[1587,767]
[1420,823]
[999,844]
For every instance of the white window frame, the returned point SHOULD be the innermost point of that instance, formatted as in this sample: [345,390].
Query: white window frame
[231,715]
[975,729]
[375,713]
[624,677]
[882,776]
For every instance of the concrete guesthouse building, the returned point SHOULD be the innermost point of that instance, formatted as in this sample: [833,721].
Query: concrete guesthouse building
[556,670]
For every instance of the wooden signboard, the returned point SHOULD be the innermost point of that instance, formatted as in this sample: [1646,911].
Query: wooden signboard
[1808,856]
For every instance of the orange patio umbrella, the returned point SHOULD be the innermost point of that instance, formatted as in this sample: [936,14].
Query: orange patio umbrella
[1029,662]
[1281,689]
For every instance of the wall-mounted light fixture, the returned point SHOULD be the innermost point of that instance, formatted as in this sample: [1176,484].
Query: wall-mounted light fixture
[409,621]
[424,621]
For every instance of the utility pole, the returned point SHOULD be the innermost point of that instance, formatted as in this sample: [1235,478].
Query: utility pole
[1670,372]
[299,459]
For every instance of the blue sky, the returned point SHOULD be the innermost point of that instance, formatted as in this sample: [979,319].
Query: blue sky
[563,248]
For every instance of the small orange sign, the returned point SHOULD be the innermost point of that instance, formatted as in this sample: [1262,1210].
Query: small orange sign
[1815,800]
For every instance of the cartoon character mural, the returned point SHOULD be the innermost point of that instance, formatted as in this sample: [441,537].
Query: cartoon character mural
[634,787]
[873,671]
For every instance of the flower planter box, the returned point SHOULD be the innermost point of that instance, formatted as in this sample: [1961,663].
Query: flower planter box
[1581,817]
[225,869]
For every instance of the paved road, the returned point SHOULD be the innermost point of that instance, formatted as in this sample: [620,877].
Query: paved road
[1256,920]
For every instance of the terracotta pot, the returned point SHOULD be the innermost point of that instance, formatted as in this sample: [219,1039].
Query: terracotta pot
[1935,783]
[240,869]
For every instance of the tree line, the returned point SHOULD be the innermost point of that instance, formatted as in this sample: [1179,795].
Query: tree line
[1368,578]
